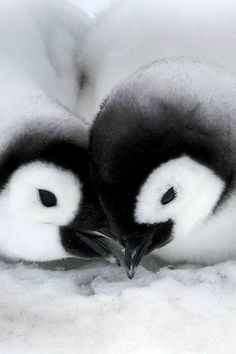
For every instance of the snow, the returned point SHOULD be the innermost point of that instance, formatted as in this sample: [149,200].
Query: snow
[74,307]
[96,309]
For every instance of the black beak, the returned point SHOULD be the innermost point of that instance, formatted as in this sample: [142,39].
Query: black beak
[134,252]
[95,247]
[97,244]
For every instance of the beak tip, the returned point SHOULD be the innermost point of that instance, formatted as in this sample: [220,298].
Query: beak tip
[112,259]
[133,256]
[130,276]
[130,271]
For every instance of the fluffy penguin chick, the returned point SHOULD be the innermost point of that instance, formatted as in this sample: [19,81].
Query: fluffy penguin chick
[45,192]
[163,162]
[163,144]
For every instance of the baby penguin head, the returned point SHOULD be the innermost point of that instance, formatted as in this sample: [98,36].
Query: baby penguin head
[161,160]
[47,204]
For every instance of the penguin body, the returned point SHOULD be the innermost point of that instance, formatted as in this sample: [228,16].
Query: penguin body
[40,47]
[46,197]
[131,35]
[163,144]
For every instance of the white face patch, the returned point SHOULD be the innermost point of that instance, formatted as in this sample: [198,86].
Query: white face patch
[22,239]
[23,199]
[197,190]
[30,230]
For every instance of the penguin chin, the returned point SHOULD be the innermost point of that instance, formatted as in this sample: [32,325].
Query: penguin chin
[30,241]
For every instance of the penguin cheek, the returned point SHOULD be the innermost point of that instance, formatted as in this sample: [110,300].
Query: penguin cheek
[163,234]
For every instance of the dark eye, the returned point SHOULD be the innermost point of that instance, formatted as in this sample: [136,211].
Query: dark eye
[168,196]
[48,199]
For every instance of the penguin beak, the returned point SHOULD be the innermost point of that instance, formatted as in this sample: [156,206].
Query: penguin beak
[99,245]
[134,252]
[94,245]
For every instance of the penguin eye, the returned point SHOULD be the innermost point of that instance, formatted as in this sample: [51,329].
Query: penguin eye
[48,199]
[168,196]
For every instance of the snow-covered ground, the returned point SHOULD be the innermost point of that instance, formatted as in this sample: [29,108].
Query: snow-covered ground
[95,309]
[77,307]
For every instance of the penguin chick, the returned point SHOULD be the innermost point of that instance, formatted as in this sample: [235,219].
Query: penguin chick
[47,203]
[162,147]
[163,162]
